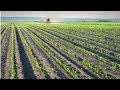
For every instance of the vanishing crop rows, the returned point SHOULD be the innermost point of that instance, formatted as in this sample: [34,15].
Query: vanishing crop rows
[60,51]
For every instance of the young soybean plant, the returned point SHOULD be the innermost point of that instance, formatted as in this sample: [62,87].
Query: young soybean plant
[12,51]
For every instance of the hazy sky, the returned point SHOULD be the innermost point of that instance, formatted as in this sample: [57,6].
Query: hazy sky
[62,14]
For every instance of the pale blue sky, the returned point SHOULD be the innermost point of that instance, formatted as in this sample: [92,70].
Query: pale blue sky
[62,14]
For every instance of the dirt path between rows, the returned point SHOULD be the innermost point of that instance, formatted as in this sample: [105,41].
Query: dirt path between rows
[27,68]
[4,53]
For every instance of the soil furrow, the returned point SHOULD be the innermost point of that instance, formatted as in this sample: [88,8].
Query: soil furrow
[27,68]
[4,53]
[19,66]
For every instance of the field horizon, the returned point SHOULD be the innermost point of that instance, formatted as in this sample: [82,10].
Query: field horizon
[57,19]
[71,50]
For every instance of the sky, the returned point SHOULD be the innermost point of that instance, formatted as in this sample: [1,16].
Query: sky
[62,14]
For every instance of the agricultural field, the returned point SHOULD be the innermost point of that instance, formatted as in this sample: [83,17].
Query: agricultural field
[60,51]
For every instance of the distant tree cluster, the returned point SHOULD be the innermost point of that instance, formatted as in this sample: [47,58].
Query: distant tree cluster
[104,21]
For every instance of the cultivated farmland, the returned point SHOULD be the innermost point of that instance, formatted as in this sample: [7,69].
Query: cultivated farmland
[60,51]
